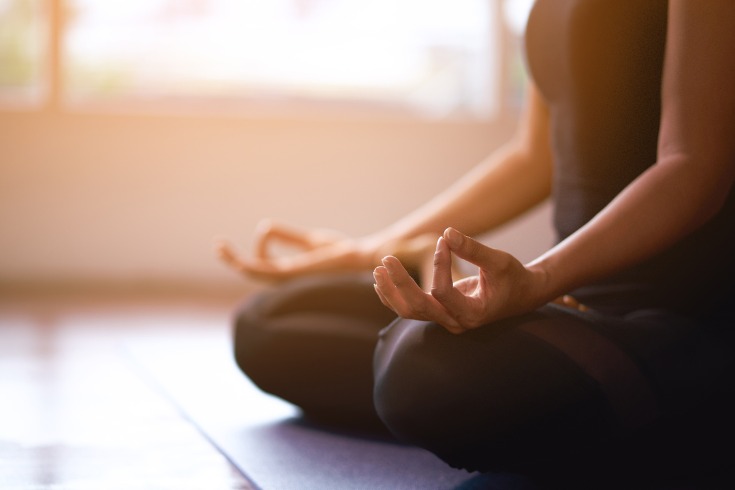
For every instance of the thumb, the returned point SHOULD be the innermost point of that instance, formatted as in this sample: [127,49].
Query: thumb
[469,249]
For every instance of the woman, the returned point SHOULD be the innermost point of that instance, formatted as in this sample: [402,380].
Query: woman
[629,127]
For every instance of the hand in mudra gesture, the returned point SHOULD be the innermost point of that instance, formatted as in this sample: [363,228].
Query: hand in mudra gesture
[306,251]
[502,288]
[315,251]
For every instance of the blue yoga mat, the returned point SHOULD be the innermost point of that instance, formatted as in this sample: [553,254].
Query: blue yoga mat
[268,440]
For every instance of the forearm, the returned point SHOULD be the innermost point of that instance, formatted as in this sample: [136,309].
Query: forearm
[663,205]
[499,189]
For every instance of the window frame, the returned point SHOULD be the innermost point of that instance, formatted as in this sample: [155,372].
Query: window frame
[52,96]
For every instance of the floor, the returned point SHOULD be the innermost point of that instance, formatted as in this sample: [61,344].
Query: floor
[75,411]
[79,411]
[138,391]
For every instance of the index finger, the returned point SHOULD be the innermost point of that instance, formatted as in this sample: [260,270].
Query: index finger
[266,231]
[442,286]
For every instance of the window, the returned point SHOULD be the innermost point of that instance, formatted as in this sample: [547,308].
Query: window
[515,15]
[23,39]
[436,58]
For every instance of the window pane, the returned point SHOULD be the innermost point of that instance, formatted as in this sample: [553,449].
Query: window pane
[436,56]
[22,49]
[515,16]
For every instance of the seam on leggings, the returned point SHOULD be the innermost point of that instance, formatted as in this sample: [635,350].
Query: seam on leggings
[606,326]
[620,379]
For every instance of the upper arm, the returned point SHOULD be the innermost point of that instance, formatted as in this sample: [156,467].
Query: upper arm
[698,96]
[533,135]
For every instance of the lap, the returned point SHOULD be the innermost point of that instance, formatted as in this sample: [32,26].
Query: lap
[549,384]
[555,381]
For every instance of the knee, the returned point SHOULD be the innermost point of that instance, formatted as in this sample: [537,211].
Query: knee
[268,355]
[431,392]
[250,340]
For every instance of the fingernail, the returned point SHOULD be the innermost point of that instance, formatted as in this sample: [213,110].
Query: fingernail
[452,236]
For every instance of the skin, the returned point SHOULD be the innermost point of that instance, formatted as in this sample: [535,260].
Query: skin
[319,251]
[685,188]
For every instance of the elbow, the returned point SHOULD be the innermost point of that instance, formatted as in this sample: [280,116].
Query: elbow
[702,187]
[715,194]
[711,198]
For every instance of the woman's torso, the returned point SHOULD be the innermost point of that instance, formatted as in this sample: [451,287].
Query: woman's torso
[599,64]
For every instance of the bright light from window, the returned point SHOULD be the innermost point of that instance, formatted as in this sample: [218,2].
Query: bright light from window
[22,49]
[438,57]
[515,14]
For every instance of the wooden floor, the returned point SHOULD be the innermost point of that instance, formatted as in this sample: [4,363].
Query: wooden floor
[76,413]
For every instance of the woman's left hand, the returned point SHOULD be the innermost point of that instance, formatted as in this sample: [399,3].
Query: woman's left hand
[503,287]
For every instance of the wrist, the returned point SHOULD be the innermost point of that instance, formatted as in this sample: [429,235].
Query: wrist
[411,251]
[372,248]
[541,290]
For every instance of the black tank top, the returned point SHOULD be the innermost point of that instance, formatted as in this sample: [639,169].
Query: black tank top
[598,64]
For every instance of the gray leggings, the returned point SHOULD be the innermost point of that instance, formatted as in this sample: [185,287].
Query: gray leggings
[532,394]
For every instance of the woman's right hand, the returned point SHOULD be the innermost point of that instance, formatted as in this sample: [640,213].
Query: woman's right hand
[317,251]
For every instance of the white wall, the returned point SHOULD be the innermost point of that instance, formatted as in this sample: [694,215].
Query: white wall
[116,198]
